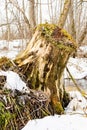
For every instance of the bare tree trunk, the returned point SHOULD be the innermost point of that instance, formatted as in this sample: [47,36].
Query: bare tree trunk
[72,22]
[32,13]
[64,13]
[83,35]
[8,25]
[44,60]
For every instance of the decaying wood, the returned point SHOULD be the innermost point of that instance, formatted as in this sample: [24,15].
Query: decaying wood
[44,60]
[41,66]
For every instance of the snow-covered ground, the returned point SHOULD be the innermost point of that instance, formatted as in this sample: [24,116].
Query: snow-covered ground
[75,117]
[57,122]
[13,81]
[77,67]
[75,113]
[12,48]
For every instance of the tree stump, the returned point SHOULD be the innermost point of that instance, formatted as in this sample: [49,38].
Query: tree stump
[44,60]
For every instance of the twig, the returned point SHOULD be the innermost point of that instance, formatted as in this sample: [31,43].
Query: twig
[76,85]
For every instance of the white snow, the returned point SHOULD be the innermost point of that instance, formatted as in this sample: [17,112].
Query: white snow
[75,117]
[83,49]
[14,82]
[12,48]
[78,103]
[9,54]
[57,122]
[77,67]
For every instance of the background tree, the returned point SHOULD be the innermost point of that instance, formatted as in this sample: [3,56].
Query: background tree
[64,13]
[74,15]
[44,59]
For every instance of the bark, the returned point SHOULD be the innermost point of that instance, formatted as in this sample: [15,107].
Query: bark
[72,22]
[44,60]
[8,25]
[64,13]
[32,14]
[82,36]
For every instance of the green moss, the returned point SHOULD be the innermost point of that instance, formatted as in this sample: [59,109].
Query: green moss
[46,29]
[63,47]
[57,36]
[5,116]
[68,36]
[5,63]
[58,108]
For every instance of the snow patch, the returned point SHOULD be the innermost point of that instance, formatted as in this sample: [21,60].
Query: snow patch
[74,119]
[13,81]
[83,49]
[77,67]
[78,103]
[57,122]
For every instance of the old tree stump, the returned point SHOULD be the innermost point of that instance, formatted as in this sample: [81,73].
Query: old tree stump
[44,60]
[41,66]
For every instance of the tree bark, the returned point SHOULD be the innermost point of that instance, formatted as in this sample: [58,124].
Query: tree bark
[83,35]
[72,22]
[64,13]
[44,60]
[32,13]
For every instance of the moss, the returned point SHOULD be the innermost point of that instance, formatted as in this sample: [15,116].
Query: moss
[68,36]
[35,79]
[57,36]
[5,63]
[57,106]
[46,29]
[66,48]
[5,116]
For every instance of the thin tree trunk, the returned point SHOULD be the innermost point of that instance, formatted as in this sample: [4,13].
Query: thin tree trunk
[72,22]
[32,13]
[64,13]
[8,25]
[83,35]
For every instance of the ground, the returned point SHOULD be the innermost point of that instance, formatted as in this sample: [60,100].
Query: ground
[76,112]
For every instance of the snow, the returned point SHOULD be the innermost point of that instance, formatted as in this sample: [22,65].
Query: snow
[13,81]
[77,67]
[76,111]
[83,49]
[74,118]
[78,103]
[57,122]
[11,54]
[12,48]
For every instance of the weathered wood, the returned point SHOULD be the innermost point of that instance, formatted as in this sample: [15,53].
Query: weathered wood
[44,60]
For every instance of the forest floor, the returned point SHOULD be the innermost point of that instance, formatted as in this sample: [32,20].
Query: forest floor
[75,117]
